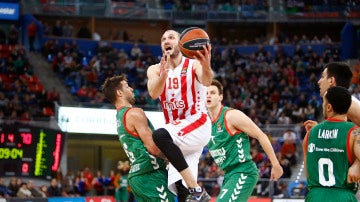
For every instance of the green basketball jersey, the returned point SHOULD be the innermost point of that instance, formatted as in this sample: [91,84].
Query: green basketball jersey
[230,152]
[141,161]
[327,160]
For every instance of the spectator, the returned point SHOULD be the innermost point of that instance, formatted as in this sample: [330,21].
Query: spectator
[35,192]
[288,150]
[46,29]
[257,156]
[82,93]
[84,32]
[4,191]
[98,183]
[44,191]
[13,35]
[281,190]
[275,142]
[13,186]
[89,177]
[326,39]
[135,51]
[109,183]
[54,190]
[356,92]
[31,33]
[299,191]
[53,95]
[57,29]
[68,29]
[285,164]
[310,112]
[23,191]
[283,119]
[2,36]
[289,135]
[315,40]
[67,184]
[25,116]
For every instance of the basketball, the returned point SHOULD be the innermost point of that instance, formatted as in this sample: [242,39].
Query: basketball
[191,40]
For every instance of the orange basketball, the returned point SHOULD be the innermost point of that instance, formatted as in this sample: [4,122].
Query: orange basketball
[191,40]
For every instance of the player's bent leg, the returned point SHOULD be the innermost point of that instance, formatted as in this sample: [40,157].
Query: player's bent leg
[172,152]
[154,190]
[237,187]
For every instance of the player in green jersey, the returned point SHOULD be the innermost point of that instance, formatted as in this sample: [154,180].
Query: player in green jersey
[230,147]
[148,174]
[329,150]
[339,74]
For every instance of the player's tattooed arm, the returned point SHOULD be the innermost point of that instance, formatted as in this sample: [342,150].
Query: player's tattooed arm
[356,131]
[354,170]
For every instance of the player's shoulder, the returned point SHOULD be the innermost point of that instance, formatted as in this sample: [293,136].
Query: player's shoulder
[136,111]
[153,69]
[233,113]
[154,66]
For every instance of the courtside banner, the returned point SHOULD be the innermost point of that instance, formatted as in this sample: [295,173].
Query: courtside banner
[96,121]
[288,200]
[255,199]
[100,199]
[9,11]
[26,200]
[66,199]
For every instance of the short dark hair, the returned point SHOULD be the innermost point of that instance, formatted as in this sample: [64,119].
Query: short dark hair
[341,72]
[110,86]
[339,98]
[219,86]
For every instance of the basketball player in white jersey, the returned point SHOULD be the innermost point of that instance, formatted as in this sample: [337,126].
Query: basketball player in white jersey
[180,84]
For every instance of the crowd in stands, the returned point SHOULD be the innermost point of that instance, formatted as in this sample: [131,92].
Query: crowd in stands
[22,96]
[216,5]
[278,88]
[83,183]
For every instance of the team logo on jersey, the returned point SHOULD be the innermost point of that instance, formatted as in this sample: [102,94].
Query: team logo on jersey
[311,147]
[183,71]
[174,104]
[219,128]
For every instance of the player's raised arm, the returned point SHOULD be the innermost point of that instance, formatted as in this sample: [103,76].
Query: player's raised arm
[203,69]
[156,79]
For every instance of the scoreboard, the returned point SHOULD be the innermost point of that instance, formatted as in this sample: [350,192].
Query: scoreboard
[29,151]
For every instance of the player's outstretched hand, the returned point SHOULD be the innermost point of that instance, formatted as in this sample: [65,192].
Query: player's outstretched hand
[276,172]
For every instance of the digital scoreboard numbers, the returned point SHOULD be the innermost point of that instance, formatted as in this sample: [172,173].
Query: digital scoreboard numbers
[30,151]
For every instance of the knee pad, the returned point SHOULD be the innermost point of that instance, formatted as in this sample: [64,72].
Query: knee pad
[167,146]
[161,137]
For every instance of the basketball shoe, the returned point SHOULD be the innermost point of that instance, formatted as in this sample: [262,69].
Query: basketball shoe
[198,195]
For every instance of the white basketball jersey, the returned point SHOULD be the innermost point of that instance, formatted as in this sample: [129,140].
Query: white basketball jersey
[183,94]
